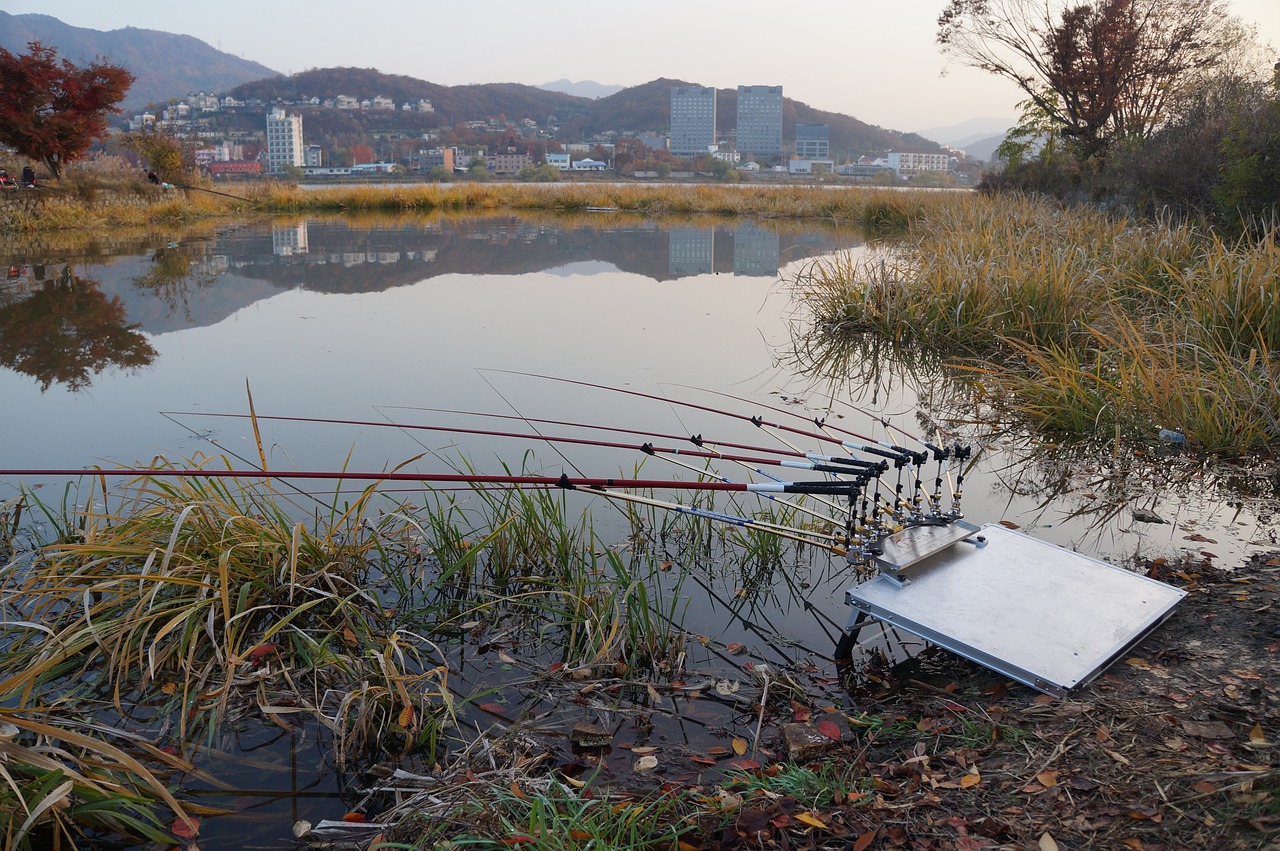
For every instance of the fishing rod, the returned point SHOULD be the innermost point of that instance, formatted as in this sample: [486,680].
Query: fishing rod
[811,461]
[835,465]
[899,455]
[561,481]
[213,192]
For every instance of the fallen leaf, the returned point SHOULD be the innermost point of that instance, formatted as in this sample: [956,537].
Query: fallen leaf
[736,648]
[1257,736]
[864,841]
[646,763]
[1009,524]
[187,828]
[829,729]
[261,650]
[1047,842]
[492,708]
[406,716]
[1118,757]
[1048,778]
[703,760]
[810,819]
[744,764]
[355,818]
[739,745]
[973,778]
[643,750]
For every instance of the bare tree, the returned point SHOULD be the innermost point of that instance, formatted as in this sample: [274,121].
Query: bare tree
[1103,70]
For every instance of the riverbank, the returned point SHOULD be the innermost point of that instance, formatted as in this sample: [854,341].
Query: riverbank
[85,206]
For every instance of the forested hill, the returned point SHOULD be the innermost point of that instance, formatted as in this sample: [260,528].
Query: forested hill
[648,107]
[453,103]
[165,65]
[637,109]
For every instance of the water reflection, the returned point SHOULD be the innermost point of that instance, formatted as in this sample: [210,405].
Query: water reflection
[62,329]
[94,314]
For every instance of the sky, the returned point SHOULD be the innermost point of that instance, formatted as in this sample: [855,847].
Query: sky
[877,62]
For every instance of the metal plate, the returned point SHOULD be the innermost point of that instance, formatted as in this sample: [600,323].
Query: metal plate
[1047,617]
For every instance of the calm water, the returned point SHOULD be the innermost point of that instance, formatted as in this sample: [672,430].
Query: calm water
[119,349]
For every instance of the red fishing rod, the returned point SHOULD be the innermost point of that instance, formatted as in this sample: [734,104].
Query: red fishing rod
[562,481]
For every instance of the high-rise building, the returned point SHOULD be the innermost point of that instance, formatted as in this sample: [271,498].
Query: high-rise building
[813,142]
[760,120]
[284,140]
[693,120]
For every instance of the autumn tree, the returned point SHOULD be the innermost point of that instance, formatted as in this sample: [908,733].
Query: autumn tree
[171,158]
[1102,70]
[53,111]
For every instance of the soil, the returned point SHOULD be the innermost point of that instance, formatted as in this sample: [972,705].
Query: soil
[1173,747]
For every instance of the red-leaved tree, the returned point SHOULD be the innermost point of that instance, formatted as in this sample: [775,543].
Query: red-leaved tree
[53,111]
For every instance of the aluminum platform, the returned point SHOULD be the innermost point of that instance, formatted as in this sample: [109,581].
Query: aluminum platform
[1042,615]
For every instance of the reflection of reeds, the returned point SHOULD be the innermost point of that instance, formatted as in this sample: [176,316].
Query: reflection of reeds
[1079,323]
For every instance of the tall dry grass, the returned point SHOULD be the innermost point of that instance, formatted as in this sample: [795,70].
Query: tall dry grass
[1075,321]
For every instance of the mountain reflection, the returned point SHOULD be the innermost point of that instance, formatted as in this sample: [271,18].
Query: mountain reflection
[65,330]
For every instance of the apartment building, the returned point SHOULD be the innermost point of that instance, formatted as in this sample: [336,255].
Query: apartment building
[284,140]
[760,120]
[693,120]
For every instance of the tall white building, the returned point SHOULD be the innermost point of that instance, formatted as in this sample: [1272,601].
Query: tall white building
[760,120]
[693,120]
[284,140]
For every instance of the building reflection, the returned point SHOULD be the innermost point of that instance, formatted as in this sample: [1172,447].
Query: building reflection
[691,251]
[755,250]
[288,240]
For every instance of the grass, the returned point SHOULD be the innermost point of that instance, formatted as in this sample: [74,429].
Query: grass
[1071,321]
[85,202]
[179,603]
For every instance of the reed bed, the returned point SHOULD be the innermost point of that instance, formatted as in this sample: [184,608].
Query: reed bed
[81,207]
[1073,321]
[179,605]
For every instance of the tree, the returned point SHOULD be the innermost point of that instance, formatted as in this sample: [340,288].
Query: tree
[172,159]
[1102,70]
[53,111]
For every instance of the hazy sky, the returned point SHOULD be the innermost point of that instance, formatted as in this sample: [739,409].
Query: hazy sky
[875,61]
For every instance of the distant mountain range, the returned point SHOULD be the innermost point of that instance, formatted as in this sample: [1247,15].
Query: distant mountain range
[583,89]
[977,137]
[165,65]
[169,66]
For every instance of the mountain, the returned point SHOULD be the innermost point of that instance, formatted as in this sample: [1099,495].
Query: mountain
[648,107]
[453,103]
[584,89]
[166,65]
[637,109]
[982,149]
[969,132]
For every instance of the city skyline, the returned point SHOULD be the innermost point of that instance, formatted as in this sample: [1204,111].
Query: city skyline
[839,57]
